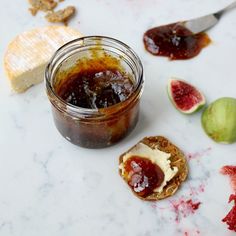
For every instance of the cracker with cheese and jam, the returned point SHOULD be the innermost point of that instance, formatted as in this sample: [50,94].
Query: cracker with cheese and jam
[154,168]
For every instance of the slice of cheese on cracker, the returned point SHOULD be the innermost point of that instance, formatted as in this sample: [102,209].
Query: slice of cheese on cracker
[28,54]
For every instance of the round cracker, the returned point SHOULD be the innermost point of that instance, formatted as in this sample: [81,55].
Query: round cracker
[177,160]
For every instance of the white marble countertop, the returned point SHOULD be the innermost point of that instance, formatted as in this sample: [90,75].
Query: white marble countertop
[51,187]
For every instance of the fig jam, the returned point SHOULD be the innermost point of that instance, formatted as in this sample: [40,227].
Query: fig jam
[174,41]
[143,176]
[94,85]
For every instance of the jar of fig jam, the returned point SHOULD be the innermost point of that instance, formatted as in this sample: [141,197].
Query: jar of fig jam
[94,85]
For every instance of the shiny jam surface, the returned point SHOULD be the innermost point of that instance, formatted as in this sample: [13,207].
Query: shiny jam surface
[95,83]
[174,41]
[143,176]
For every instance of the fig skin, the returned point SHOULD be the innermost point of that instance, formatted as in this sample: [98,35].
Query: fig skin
[219,120]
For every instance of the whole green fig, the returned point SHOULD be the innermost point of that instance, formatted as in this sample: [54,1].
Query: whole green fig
[219,120]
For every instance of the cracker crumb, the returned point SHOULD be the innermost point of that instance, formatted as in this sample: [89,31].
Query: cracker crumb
[33,11]
[61,16]
[43,5]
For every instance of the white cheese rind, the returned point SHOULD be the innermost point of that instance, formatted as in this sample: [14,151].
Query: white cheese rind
[28,54]
[157,157]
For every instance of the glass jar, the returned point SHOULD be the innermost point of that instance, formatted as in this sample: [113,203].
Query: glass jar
[94,128]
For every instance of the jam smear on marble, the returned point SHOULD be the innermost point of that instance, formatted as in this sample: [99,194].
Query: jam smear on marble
[184,208]
[230,218]
[143,176]
[231,172]
[174,41]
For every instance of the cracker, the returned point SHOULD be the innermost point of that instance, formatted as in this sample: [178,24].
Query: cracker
[177,160]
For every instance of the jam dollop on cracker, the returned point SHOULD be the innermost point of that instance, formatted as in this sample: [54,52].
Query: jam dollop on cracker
[143,176]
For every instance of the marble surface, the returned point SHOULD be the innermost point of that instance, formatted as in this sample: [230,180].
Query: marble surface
[51,187]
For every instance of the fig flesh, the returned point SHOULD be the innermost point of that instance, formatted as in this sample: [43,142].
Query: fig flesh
[185,97]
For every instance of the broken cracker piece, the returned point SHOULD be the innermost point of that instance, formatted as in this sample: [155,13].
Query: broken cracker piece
[61,16]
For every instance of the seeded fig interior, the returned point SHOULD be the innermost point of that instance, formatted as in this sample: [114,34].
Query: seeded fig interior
[185,97]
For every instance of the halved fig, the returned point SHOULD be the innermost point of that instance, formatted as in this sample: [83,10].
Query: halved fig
[185,97]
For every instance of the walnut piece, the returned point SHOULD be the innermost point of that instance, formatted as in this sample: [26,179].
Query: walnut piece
[43,5]
[61,16]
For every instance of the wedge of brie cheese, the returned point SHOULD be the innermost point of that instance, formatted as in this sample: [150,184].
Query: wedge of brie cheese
[28,54]
[157,157]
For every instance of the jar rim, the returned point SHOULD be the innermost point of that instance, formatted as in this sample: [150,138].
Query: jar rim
[89,111]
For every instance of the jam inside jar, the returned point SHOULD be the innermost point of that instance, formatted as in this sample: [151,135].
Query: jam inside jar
[94,85]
